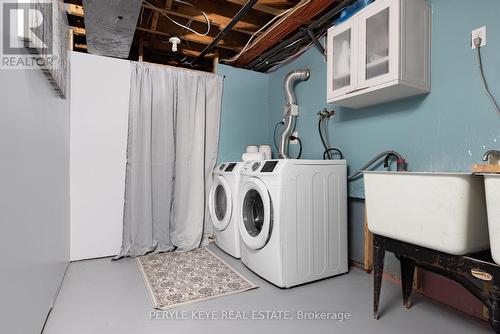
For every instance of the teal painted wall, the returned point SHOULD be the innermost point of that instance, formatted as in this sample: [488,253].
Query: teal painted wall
[447,130]
[245,111]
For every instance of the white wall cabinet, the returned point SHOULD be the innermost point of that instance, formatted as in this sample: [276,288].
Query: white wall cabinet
[380,54]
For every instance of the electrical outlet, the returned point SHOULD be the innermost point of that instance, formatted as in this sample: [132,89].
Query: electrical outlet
[479,32]
[295,134]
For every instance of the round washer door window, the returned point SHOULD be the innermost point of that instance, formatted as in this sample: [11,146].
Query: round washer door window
[255,219]
[220,203]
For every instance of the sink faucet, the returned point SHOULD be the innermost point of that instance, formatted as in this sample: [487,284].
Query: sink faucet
[492,156]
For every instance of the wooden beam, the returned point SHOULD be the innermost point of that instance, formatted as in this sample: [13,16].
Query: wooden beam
[282,28]
[219,21]
[190,38]
[79,31]
[278,3]
[222,13]
[191,49]
[141,48]
[232,40]
[168,4]
[261,8]
[74,10]
[164,47]
[368,247]
[154,21]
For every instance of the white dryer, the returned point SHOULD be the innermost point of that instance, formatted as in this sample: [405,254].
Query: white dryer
[293,219]
[223,205]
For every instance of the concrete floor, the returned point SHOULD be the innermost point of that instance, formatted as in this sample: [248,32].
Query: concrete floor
[99,296]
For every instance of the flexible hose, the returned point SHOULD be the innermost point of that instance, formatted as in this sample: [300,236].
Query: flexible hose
[371,162]
[320,130]
[324,139]
[327,152]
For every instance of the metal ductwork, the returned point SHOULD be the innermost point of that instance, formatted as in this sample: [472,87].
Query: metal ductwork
[291,109]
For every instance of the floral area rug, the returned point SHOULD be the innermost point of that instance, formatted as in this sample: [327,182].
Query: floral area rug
[176,278]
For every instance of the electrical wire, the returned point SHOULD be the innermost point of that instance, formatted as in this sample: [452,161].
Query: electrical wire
[246,47]
[180,24]
[294,55]
[272,61]
[300,145]
[279,52]
[477,43]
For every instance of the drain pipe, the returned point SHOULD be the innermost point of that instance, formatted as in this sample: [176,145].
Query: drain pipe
[291,109]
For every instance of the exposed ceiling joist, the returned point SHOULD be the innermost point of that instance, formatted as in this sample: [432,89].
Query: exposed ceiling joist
[191,50]
[79,31]
[151,29]
[205,40]
[168,4]
[303,12]
[216,20]
[222,12]
[261,8]
[277,3]
[74,10]
[154,21]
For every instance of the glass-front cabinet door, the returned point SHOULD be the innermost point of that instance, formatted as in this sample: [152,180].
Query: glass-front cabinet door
[378,47]
[342,59]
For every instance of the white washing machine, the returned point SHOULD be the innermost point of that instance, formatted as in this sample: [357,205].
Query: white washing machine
[293,219]
[223,206]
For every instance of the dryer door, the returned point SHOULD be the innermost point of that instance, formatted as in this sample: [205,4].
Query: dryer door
[220,203]
[256,214]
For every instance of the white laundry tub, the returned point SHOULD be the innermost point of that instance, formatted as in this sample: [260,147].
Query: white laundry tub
[492,189]
[441,211]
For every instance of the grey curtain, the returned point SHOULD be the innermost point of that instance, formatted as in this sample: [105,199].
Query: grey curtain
[172,149]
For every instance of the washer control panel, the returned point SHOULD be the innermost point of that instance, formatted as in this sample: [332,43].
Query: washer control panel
[255,167]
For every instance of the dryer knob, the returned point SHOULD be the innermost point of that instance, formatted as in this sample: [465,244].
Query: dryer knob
[255,166]
[221,167]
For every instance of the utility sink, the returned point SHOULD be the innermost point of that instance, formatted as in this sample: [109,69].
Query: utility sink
[492,189]
[437,210]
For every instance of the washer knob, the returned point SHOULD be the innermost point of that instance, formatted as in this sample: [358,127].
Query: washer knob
[255,166]
[221,167]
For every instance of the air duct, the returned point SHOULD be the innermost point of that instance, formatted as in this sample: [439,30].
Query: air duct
[291,109]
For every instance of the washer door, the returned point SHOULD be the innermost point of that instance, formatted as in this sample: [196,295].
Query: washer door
[255,215]
[220,203]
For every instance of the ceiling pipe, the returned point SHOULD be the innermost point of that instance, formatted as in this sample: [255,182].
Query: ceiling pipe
[246,8]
